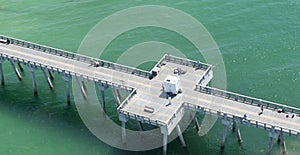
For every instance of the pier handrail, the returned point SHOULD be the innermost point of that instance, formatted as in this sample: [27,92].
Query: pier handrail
[205,75]
[132,93]
[240,119]
[75,56]
[132,115]
[186,62]
[159,63]
[66,72]
[247,99]
[144,119]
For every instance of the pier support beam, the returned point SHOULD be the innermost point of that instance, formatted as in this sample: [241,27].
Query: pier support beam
[16,70]
[180,136]
[66,78]
[47,78]
[1,71]
[102,89]
[236,129]
[32,70]
[225,123]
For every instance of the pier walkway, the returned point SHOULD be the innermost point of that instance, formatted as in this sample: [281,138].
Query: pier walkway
[147,103]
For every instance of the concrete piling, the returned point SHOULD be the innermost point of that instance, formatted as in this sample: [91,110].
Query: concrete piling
[116,94]
[16,70]
[282,142]
[32,70]
[102,89]
[139,125]
[236,129]
[83,85]
[66,78]
[224,136]
[270,146]
[165,143]
[180,136]
[123,123]
[47,78]
[81,88]
[272,134]
[50,75]
[198,128]
[20,67]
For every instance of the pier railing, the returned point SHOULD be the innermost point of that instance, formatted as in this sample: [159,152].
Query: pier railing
[206,76]
[247,100]
[186,62]
[240,119]
[77,57]
[143,119]
[125,102]
[127,114]
[65,72]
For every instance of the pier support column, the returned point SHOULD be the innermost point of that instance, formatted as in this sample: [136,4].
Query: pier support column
[47,78]
[225,123]
[32,70]
[282,142]
[1,71]
[21,67]
[272,135]
[83,85]
[180,136]
[66,78]
[123,120]
[116,94]
[270,146]
[123,132]
[50,75]
[198,128]
[165,143]
[164,131]
[16,70]
[80,84]
[102,89]
[236,129]
[139,125]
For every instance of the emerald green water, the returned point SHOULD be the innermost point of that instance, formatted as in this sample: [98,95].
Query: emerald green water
[259,41]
